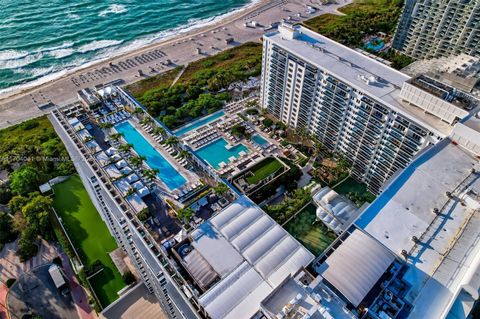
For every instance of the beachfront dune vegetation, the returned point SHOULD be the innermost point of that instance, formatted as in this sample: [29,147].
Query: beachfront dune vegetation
[200,87]
[363,18]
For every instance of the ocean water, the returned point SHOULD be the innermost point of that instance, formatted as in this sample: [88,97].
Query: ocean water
[39,38]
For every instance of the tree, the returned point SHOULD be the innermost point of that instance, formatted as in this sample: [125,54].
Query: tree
[138,112]
[184,154]
[150,174]
[137,161]
[106,125]
[185,214]
[239,130]
[172,141]
[116,136]
[169,120]
[125,147]
[27,246]
[7,233]
[16,203]
[24,180]
[267,122]
[221,189]
[36,213]
[158,130]
[147,120]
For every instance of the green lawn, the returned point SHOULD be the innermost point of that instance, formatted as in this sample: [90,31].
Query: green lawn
[264,169]
[355,191]
[90,236]
[314,235]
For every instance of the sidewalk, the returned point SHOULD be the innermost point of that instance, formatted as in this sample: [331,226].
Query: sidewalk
[78,294]
[3,301]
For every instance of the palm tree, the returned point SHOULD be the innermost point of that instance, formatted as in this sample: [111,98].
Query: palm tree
[184,154]
[115,136]
[150,174]
[185,214]
[125,147]
[171,141]
[147,120]
[106,125]
[138,112]
[221,189]
[158,130]
[137,161]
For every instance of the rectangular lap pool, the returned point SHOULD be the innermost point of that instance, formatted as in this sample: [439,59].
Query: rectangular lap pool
[217,152]
[167,173]
[196,124]
[258,139]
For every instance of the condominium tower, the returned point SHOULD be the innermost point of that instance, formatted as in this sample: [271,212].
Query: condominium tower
[377,117]
[429,29]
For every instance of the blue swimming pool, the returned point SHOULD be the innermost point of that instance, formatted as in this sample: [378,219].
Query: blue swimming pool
[217,152]
[375,44]
[196,124]
[167,173]
[260,140]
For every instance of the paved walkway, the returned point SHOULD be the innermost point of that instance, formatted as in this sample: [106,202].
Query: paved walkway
[12,267]
[79,296]
[3,298]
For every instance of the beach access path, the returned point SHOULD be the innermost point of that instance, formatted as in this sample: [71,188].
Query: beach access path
[16,107]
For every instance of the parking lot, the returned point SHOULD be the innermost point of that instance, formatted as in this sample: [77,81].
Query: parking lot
[35,293]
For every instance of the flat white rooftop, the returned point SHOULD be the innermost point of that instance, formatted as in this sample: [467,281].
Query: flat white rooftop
[353,68]
[447,248]
[252,254]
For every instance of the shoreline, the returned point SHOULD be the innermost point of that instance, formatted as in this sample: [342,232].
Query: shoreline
[158,57]
[192,30]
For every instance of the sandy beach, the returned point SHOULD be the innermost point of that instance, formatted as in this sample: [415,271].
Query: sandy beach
[157,58]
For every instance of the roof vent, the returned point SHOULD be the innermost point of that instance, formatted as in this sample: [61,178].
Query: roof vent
[435,211]
[371,79]
[449,194]
[404,253]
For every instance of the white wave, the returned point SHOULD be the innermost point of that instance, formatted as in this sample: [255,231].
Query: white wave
[20,62]
[12,55]
[113,9]
[61,53]
[64,45]
[73,16]
[97,45]
[36,72]
[138,43]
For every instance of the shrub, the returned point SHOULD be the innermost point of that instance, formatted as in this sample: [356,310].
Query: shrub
[144,214]
[267,122]
[29,125]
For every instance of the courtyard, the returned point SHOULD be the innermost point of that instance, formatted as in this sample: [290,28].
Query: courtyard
[315,236]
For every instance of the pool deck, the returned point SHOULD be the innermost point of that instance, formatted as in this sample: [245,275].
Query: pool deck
[255,150]
[188,175]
